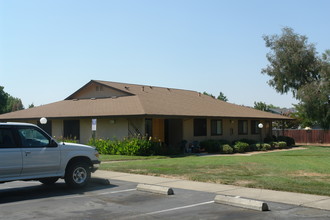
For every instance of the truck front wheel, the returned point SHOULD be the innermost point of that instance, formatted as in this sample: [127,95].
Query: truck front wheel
[77,175]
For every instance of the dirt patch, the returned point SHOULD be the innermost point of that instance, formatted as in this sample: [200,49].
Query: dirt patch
[244,182]
[309,174]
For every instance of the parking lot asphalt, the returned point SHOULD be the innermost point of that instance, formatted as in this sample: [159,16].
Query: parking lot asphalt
[121,200]
[299,199]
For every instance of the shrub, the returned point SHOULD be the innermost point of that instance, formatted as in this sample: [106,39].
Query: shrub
[269,139]
[227,149]
[102,146]
[138,146]
[213,146]
[210,146]
[67,140]
[282,145]
[255,147]
[245,140]
[266,147]
[274,145]
[289,140]
[241,147]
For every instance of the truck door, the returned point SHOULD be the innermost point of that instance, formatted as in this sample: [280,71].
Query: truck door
[39,157]
[10,155]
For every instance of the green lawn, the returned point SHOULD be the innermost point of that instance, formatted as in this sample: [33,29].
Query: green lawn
[304,171]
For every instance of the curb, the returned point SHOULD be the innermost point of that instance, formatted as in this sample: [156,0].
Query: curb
[241,202]
[155,189]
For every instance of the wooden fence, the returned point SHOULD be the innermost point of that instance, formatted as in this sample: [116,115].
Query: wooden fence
[306,136]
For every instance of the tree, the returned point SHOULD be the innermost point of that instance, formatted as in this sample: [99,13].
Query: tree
[264,107]
[9,103]
[261,106]
[222,97]
[293,61]
[3,100]
[14,104]
[296,67]
[208,94]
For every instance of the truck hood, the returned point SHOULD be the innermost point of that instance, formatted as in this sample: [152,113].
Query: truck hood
[75,146]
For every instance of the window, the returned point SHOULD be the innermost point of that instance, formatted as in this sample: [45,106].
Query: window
[216,127]
[72,129]
[32,138]
[242,127]
[6,138]
[254,127]
[148,127]
[199,127]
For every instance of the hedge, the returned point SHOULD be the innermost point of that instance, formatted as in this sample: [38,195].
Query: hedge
[142,146]
[132,146]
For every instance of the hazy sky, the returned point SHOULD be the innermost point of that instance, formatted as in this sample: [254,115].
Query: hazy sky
[51,48]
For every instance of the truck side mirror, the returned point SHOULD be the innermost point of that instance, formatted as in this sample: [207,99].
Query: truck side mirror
[52,143]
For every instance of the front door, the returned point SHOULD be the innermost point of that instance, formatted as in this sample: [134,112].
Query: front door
[38,157]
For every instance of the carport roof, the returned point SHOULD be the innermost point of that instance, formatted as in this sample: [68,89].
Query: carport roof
[141,100]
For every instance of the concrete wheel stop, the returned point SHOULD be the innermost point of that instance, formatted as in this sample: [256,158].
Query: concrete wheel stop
[242,202]
[155,189]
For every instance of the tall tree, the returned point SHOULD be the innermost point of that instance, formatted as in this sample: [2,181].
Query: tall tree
[293,61]
[295,66]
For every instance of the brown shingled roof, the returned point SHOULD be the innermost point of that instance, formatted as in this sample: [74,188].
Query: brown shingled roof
[142,100]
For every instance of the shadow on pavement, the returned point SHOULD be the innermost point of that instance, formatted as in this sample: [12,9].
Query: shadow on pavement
[18,192]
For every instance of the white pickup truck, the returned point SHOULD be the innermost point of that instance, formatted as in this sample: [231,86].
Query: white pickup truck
[29,153]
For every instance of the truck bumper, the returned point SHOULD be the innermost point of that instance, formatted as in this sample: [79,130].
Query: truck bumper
[96,165]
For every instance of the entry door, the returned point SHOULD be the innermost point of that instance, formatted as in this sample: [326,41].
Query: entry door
[10,155]
[173,132]
[38,157]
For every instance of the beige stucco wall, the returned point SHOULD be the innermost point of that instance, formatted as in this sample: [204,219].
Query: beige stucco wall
[108,128]
[57,128]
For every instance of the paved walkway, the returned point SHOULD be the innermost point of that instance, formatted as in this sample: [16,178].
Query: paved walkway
[306,200]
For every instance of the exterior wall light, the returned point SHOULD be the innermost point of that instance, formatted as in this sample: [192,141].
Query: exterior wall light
[43,120]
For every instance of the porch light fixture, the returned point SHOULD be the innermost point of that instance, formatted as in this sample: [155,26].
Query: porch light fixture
[260,125]
[43,120]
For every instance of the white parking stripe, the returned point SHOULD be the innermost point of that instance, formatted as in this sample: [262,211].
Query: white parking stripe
[178,208]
